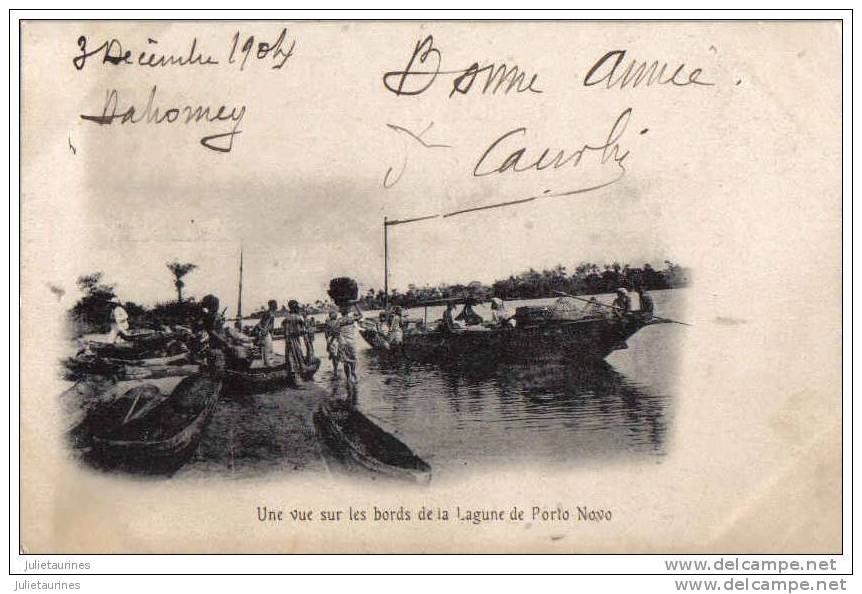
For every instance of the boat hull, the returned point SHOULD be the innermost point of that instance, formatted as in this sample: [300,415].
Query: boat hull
[350,434]
[590,339]
[259,379]
[168,453]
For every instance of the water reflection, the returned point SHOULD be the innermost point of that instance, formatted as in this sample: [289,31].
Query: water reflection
[463,415]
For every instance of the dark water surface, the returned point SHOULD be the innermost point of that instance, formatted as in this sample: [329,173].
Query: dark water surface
[460,417]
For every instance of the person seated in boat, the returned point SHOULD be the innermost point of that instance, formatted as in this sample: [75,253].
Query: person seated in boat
[232,343]
[449,323]
[647,306]
[119,324]
[468,316]
[594,309]
[622,304]
[381,324]
[396,328]
[330,332]
[499,314]
[263,332]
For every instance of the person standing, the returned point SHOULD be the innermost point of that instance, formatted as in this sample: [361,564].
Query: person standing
[294,334]
[347,331]
[309,336]
[263,331]
[331,335]
[396,328]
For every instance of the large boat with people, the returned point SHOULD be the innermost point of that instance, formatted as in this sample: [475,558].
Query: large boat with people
[558,331]
[574,328]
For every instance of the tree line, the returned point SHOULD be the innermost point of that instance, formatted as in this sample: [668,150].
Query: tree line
[586,279]
[92,312]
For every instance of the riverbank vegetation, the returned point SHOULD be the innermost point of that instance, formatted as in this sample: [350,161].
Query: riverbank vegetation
[92,312]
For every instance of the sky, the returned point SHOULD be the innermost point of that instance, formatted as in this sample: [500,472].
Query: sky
[302,193]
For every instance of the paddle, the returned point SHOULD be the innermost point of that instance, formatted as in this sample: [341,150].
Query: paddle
[597,302]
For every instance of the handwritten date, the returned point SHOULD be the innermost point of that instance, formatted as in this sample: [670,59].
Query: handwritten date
[242,49]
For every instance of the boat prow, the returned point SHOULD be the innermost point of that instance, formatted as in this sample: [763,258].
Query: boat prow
[350,434]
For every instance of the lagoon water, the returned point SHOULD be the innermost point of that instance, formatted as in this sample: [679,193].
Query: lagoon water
[458,417]
[461,417]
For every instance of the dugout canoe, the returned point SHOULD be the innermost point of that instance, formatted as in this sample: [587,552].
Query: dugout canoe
[259,379]
[156,436]
[349,434]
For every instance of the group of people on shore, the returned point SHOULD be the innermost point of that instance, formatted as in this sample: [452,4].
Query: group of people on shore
[341,329]
[340,332]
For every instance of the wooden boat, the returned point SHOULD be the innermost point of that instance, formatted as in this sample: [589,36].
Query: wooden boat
[84,364]
[156,434]
[259,379]
[350,434]
[130,372]
[153,345]
[151,361]
[586,339]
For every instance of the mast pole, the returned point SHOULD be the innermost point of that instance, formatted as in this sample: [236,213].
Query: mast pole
[385,263]
[239,297]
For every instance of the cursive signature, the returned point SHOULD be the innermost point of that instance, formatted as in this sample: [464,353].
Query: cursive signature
[501,157]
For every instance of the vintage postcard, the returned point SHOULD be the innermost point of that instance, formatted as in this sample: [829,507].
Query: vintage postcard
[430,286]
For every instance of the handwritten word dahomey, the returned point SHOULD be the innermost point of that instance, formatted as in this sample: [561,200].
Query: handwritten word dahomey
[151,113]
[240,49]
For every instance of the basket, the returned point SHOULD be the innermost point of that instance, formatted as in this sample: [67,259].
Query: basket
[343,290]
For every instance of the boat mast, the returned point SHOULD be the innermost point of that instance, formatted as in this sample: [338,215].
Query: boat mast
[385,263]
[239,297]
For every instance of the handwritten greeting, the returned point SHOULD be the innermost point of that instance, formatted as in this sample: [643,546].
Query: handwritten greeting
[511,150]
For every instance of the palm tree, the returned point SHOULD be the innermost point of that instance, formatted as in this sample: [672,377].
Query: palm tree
[179,270]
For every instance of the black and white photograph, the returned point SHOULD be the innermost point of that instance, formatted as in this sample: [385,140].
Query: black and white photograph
[431,286]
